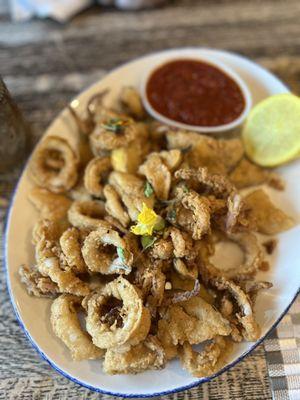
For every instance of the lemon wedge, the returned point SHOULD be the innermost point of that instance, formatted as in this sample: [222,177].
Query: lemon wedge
[271,134]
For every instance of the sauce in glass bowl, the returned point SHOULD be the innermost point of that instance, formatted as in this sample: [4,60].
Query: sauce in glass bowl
[195,93]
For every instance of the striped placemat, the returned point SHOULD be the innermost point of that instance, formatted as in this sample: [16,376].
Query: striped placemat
[282,348]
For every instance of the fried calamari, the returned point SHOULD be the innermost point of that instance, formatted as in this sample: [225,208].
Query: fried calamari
[130,217]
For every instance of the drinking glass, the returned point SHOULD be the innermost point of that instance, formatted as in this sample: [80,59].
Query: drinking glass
[14,132]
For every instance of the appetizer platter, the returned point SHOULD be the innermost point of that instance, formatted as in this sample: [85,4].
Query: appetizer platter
[148,251]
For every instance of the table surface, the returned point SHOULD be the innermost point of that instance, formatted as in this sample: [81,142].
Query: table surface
[45,64]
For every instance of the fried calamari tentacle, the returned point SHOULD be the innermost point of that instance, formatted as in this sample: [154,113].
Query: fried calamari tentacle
[66,281]
[37,284]
[194,321]
[205,362]
[195,215]
[50,205]
[96,170]
[116,316]
[106,252]
[66,326]
[71,243]
[144,356]
[114,206]
[219,185]
[88,215]
[54,165]
[252,287]
[250,329]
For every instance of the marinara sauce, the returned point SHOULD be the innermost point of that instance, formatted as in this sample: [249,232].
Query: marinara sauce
[195,93]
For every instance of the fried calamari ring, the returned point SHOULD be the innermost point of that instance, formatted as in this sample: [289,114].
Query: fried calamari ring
[114,205]
[252,258]
[71,243]
[252,255]
[106,137]
[88,215]
[144,356]
[97,169]
[250,329]
[54,165]
[205,362]
[66,326]
[131,324]
[106,252]
[131,101]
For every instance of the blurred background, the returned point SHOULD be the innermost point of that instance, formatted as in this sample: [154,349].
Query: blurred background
[45,63]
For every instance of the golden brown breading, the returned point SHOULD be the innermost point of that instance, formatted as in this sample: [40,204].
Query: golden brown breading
[218,155]
[95,172]
[66,326]
[269,219]
[54,165]
[194,321]
[129,323]
[144,356]
[205,362]
[50,205]
[114,206]
[158,174]
[247,174]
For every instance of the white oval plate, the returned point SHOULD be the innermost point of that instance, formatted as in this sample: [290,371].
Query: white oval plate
[33,313]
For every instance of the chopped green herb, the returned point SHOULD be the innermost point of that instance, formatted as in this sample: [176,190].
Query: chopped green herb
[172,215]
[121,254]
[148,189]
[147,241]
[115,125]
[185,189]
[160,225]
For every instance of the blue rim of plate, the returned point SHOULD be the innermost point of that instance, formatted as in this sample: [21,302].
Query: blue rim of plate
[37,348]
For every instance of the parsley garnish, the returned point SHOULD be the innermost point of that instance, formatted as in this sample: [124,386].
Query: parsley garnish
[115,125]
[172,215]
[185,189]
[147,241]
[148,189]
[121,254]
